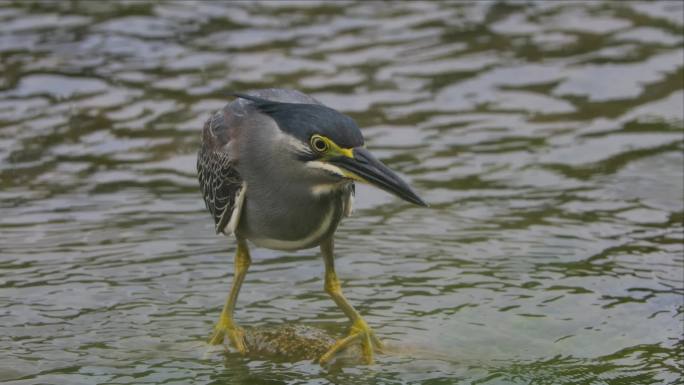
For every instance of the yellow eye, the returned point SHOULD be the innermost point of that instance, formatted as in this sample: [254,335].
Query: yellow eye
[319,144]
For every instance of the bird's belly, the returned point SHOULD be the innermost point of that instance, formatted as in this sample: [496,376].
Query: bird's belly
[289,230]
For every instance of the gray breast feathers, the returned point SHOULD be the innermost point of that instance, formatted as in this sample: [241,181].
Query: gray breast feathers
[222,187]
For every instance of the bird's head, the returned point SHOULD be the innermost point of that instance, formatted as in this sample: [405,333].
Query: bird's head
[329,142]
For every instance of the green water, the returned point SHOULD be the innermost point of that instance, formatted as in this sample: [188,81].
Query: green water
[547,137]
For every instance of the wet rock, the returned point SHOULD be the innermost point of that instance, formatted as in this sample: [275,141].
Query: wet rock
[295,343]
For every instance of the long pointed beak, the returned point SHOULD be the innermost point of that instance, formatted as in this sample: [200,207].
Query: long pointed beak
[365,167]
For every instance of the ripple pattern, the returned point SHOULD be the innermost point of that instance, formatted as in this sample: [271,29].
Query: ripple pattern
[548,138]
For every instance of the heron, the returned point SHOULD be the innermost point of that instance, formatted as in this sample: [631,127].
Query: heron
[277,168]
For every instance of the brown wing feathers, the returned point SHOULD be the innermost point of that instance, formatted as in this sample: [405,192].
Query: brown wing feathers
[219,180]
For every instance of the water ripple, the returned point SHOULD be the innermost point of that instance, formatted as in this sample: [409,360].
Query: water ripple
[546,136]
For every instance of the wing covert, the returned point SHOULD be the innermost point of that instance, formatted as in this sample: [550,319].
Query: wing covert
[220,182]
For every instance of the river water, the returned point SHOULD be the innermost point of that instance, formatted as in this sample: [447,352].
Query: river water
[547,137]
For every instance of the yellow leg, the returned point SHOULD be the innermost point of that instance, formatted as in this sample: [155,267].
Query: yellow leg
[225,324]
[359,328]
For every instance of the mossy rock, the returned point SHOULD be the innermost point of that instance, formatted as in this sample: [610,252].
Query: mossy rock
[295,343]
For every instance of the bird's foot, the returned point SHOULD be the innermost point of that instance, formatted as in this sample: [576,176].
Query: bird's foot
[235,334]
[359,331]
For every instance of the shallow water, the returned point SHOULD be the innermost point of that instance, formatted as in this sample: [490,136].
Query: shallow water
[547,137]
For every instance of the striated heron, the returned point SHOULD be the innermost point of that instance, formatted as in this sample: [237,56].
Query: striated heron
[277,168]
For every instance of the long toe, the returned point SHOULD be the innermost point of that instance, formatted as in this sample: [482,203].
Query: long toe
[218,336]
[377,344]
[359,331]
[235,334]
[237,338]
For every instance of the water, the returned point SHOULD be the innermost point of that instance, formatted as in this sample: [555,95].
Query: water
[547,137]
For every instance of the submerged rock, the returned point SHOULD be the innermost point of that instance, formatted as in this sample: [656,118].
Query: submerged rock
[294,343]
